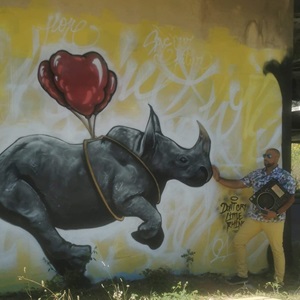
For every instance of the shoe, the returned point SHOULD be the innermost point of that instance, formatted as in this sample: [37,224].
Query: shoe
[237,280]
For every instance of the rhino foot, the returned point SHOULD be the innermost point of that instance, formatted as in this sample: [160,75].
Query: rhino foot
[80,256]
[153,242]
[72,259]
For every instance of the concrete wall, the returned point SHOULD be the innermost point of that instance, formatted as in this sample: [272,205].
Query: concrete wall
[190,60]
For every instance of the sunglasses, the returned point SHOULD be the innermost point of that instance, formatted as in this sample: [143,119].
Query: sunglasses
[267,155]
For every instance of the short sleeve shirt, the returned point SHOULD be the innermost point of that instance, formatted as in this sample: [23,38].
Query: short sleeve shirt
[257,179]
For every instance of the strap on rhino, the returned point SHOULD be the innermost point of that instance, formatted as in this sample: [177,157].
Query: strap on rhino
[104,137]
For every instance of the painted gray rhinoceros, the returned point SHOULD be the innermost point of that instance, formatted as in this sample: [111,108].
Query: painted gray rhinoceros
[46,183]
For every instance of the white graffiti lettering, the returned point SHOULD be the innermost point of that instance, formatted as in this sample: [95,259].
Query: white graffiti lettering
[67,27]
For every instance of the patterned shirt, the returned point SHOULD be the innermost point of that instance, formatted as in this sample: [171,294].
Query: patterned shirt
[257,179]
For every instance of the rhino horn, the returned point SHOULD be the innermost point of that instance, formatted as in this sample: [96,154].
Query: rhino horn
[203,142]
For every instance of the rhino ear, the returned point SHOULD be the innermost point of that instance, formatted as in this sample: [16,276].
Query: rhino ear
[154,120]
[148,140]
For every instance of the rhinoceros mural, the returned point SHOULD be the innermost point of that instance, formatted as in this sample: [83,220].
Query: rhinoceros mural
[47,183]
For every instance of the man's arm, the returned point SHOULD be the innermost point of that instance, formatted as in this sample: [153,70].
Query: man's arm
[286,205]
[230,183]
[282,209]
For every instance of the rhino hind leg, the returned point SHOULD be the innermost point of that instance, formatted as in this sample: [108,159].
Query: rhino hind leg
[22,206]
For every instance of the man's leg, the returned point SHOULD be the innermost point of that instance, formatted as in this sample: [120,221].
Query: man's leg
[274,232]
[248,230]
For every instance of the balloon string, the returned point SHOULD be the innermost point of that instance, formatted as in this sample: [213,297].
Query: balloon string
[86,124]
[94,126]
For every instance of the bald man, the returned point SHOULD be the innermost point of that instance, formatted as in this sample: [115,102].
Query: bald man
[271,222]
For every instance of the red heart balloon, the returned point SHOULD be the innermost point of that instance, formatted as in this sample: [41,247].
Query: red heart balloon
[79,82]
[109,91]
[45,77]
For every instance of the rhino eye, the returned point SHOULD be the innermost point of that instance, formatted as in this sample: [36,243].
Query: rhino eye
[183,159]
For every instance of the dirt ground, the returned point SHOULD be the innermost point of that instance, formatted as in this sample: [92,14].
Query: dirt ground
[211,285]
[208,286]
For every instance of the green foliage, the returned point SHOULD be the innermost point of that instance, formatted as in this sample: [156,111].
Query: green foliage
[34,287]
[155,274]
[296,163]
[189,259]
[275,287]
[120,291]
[157,278]
[58,288]
[178,292]
[56,283]
[204,287]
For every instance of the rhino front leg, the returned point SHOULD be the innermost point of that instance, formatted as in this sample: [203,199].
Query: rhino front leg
[153,242]
[149,232]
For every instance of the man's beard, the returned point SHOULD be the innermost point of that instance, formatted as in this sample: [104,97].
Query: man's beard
[268,164]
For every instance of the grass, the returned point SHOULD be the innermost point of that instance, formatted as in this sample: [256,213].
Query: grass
[159,285]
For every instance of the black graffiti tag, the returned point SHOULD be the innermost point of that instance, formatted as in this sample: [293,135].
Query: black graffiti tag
[233,213]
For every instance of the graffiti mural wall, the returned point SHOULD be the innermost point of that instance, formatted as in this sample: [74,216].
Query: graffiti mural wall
[111,115]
